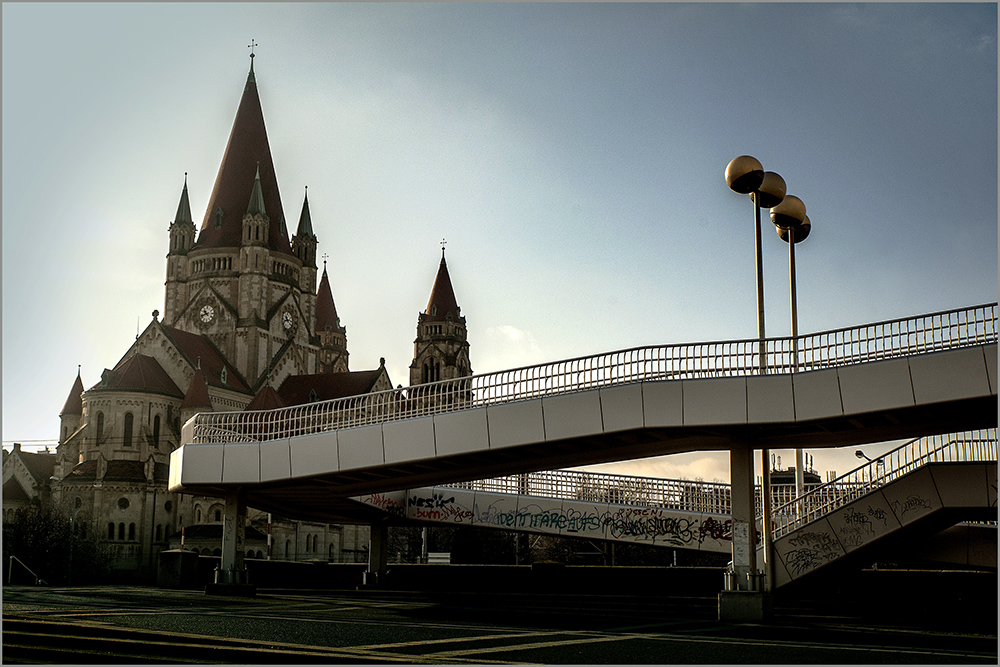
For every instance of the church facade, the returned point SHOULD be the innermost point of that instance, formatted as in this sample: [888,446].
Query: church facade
[245,325]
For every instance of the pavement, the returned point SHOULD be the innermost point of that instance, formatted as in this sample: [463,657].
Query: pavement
[131,625]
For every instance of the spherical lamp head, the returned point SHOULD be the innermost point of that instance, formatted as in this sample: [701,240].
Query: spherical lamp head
[789,213]
[771,190]
[801,232]
[744,174]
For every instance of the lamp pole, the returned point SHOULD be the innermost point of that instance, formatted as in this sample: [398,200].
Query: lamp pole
[745,175]
[793,226]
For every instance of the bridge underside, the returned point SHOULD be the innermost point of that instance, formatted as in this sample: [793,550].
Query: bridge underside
[324,497]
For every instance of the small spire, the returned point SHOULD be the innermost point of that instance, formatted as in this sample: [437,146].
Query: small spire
[305,229]
[443,242]
[256,196]
[184,206]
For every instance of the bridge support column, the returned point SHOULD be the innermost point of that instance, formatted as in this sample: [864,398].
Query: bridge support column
[743,596]
[378,554]
[231,574]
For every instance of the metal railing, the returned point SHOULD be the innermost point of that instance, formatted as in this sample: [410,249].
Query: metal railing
[682,495]
[961,447]
[870,342]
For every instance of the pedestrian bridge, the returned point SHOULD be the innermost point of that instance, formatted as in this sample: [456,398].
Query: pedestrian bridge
[910,377]
[912,492]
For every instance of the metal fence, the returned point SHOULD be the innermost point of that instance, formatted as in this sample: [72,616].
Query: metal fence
[969,446]
[870,342]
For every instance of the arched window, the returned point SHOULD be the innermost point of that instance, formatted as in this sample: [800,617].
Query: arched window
[156,431]
[111,530]
[218,515]
[121,531]
[100,425]
[217,552]
[197,512]
[131,531]
[288,548]
[127,435]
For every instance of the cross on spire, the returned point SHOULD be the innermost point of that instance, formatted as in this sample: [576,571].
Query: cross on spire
[324,260]
[443,243]
[251,46]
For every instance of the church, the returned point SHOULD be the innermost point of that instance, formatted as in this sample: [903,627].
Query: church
[245,326]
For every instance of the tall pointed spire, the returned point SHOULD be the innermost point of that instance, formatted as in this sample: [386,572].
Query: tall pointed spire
[305,220]
[247,150]
[326,310]
[442,304]
[184,206]
[256,205]
[74,402]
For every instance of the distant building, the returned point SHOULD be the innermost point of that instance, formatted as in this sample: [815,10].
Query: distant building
[245,327]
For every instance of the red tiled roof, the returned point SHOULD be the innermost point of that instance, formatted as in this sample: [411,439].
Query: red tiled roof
[247,148]
[138,373]
[197,393]
[442,301]
[74,402]
[326,310]
[266,399]
[298,389]
[195,347]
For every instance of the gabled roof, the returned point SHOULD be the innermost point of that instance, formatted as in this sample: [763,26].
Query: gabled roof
[138,372]
[12,490]
[39,465]
[247,148]
[74,402]
[326,310]
[196,347]
[442,304]
[301,389]
[82,472]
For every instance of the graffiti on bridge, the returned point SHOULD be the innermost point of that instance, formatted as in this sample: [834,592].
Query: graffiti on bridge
[386,503]
[811,550]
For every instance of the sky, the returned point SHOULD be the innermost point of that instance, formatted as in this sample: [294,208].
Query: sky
[571,155]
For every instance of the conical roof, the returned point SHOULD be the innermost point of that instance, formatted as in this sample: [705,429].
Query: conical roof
[326,310]
[442,303]
[305,220]
[184,206]
[74,402]
[247,148]
[197,393]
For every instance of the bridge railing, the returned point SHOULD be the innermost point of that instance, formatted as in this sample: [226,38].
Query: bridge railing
[869,342]
[969,446]
[683,495]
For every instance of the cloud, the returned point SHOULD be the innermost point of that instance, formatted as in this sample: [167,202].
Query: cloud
[505,346]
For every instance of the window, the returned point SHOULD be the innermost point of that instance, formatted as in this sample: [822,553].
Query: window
[100,425]
[218,218]
[123,503]
[156,431]
[121,531]
[159,532]
[111,530]
[127,436]
[218,515]
[197,511]
[131,531]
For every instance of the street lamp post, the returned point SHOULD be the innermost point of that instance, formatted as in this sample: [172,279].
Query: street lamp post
[745,175]
[792,223]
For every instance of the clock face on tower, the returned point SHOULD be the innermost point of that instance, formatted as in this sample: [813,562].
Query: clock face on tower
[286,320]
[207,313]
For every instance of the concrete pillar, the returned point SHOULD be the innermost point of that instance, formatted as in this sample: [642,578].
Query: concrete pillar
[743,508]
[231,577]
[378,554]
[743,597]
[232,568]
